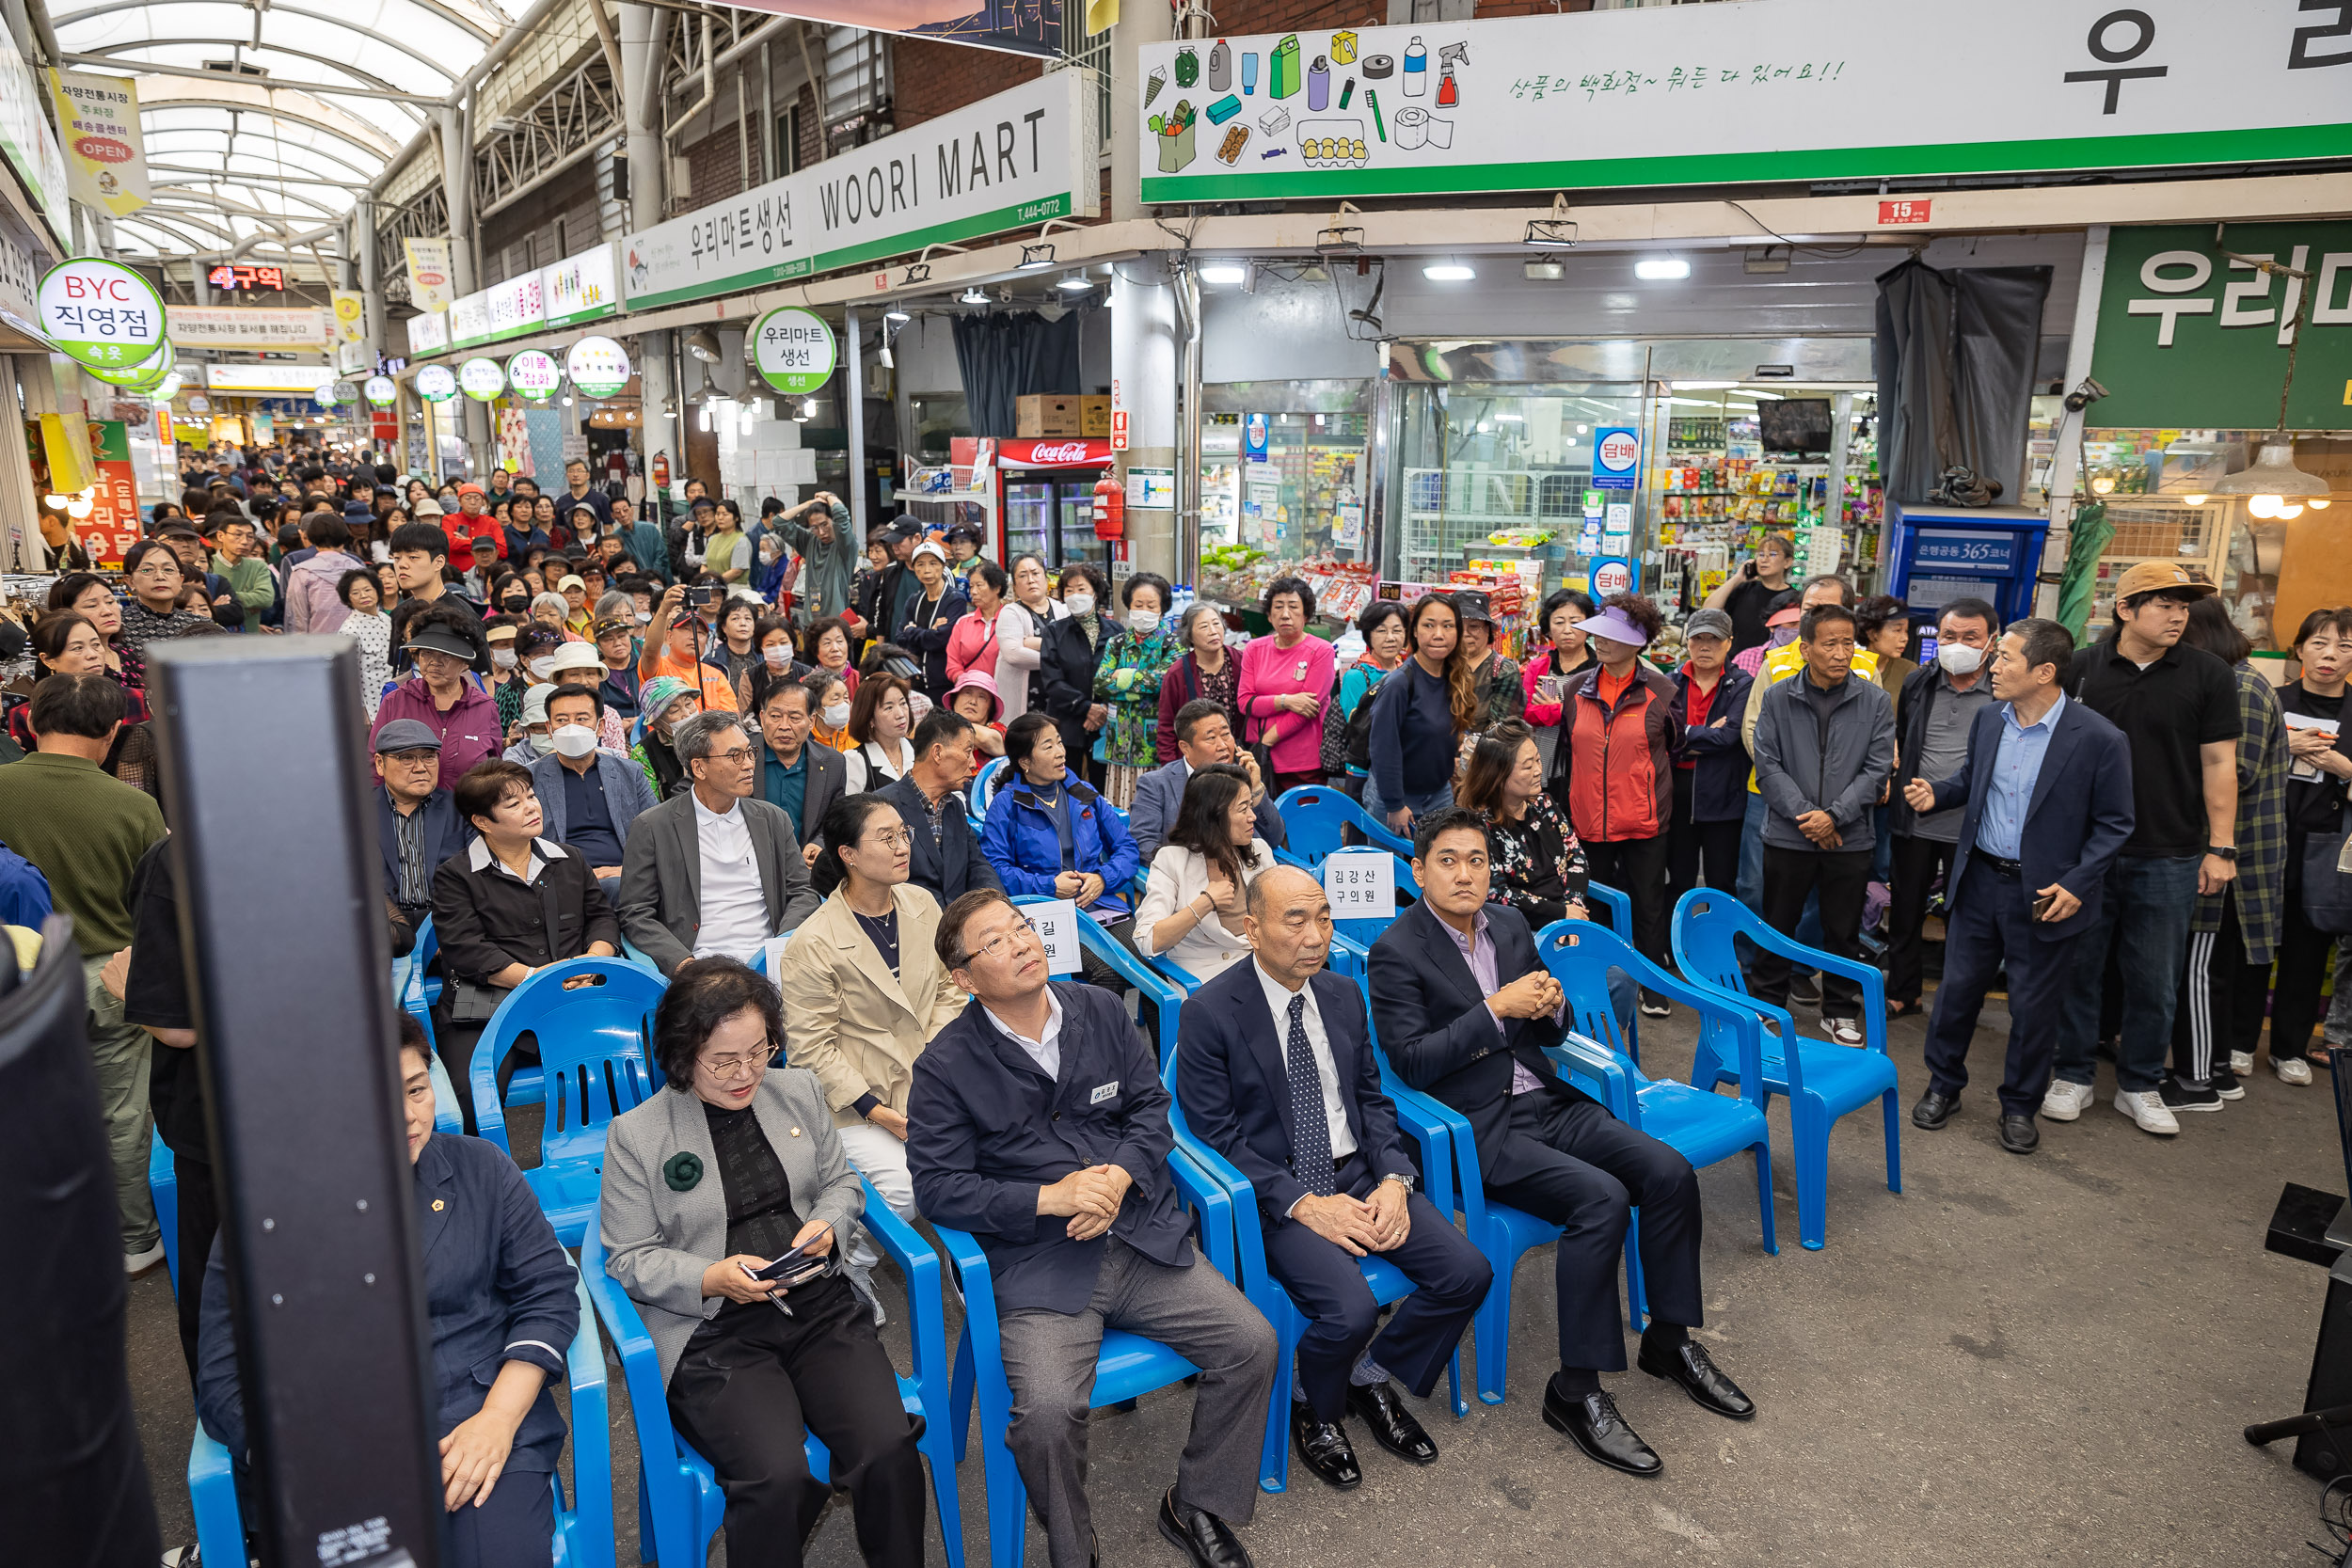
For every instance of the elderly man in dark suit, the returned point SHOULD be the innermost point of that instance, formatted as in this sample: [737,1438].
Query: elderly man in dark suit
[1204,737]
[2047,785]
[416,824]
[798,775]
[1466,1011]
[948,861]
[709,870]
[1038,1122]
[1275,1068]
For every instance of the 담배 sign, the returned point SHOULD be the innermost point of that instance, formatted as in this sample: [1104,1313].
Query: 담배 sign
[1056,922]
[534,373]
[793,350]
[436,383]
[597,366]
[480,379]
[1610,575]
[1360,884]
[101,313]
[1616,458]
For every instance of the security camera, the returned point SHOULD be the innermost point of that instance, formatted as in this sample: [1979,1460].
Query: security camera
[2084,396]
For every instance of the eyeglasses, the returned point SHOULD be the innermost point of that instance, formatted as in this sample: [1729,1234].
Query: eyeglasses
[416,759]
[892,838]
[997,946]
[735,758]
[728,1066]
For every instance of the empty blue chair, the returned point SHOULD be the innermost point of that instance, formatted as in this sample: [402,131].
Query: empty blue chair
[1822,1079]
[596,1050]
[982,790]
[1127,1366]
[1258,1282]
[583,1530]
[1697,1123]
[163,1184]
[1313,818]
[680,1506]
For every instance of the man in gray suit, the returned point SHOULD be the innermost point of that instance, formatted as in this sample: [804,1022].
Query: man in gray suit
[711,870]
[587,797]
[1204,735]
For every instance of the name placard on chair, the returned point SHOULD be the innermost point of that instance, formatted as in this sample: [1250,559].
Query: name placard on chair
[1360,884]
[1056,922]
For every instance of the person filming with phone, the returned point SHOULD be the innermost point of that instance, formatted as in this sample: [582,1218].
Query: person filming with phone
[2047,791]
[681,634]
[1746,593]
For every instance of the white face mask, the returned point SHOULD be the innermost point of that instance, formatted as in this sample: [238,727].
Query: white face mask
[1960,658]
[502,658]
[644,617]
[777,657]
[574,741]
[541,669]
[837,716]
[539,744]
[1079,604]
[1143,622]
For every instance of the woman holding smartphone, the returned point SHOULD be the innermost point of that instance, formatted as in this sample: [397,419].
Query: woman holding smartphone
[1555,667]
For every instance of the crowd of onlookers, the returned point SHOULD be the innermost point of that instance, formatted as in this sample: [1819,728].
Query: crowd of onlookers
[703,743]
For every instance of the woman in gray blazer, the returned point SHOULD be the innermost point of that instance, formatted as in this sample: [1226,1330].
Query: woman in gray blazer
[732,1165]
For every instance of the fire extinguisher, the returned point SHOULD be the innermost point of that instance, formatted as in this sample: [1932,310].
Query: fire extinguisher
[662,470]
[1111,509]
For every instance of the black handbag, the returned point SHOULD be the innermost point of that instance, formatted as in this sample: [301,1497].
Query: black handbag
[2327,890]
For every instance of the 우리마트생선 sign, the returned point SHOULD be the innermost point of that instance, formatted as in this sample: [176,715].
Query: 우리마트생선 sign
[793,349]
[101,313]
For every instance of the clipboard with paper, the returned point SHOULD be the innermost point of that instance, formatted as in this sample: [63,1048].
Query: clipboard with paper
[2309,772]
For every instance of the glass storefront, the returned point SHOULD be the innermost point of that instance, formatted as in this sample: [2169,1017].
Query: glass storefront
[1286,489]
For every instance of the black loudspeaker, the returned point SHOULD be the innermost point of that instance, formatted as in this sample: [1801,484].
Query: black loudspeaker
[73,1489]
[620,177]
[2327,1452]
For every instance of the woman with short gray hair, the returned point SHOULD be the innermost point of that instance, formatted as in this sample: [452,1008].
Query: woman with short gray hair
[1206,672]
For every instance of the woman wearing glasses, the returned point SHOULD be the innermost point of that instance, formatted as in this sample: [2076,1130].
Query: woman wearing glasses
[865,992]
[733,1164]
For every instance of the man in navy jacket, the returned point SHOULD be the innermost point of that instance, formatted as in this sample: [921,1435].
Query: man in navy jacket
[1276,1072]
[1037,1121]
[2048,788]
[1466,1011]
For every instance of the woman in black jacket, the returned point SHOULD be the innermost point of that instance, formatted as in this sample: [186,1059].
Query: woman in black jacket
[505,908]
[1073,648]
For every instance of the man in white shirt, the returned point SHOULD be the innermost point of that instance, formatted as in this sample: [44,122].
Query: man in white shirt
[1275,1070]
[711,870]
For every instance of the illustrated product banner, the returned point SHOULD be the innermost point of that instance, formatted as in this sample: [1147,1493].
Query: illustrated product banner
[432,277]
[1008,162]
[1793,90]
[1033,27]
[106,156]
[2188,337]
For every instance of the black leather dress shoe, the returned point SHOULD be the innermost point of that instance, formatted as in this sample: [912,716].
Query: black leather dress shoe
[1323,1447]
[1593,1425]
[1206,1539]
[1934,1111]
[1393,1425]
[1690,1365]
[2019,1134]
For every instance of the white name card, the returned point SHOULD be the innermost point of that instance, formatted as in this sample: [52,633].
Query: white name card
[1056,922]
[1360,884]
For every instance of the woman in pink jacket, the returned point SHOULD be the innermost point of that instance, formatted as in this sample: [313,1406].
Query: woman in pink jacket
[973,645]
[1285,680]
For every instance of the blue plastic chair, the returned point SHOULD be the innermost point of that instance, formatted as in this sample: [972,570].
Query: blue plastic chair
[982,790]
[1692,1119]
[1127,1367]
[680,1506]
[632,953]
[1314,816]
[1824,1080]
[583,1529]
[1258,1282]
[163,1184]
[595,1049]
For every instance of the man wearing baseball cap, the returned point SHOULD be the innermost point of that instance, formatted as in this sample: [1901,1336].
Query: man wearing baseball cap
[2177,707]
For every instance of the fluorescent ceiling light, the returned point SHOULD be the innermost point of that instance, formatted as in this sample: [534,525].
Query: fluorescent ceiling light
[1511,418]
[1704,386]
[1224,272]
[1034,257]
[1543,272]
[897,313]
[1661,269]
[1448,272]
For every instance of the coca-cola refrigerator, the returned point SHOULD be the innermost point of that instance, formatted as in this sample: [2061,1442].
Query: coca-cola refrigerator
[1044,496]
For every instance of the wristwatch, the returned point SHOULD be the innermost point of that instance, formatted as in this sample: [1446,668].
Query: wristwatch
[1399,1176]
[2226,851]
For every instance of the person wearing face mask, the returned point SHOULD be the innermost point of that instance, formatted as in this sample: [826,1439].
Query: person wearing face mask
[774,665]
[1932,714]
[588,795]
[507,680]
[532,738]
[829,694]
[1127,683]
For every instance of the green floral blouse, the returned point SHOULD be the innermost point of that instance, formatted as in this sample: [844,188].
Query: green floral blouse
[1127,681]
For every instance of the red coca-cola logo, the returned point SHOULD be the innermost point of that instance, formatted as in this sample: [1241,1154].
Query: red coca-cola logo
[1068,452]
[105,149]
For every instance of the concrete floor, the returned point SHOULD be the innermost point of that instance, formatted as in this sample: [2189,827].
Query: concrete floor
[2044,1359]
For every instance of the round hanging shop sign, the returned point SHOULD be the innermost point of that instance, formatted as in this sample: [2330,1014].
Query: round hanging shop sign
[435,384]
[480,379]
[534,373]
[101,313]
[793,350]
[597,366]
[383,391]
[139,377]
[329,393]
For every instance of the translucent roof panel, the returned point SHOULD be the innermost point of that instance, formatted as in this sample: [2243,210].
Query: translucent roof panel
[283,153]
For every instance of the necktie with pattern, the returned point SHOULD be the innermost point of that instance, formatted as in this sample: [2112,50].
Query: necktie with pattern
[1311,1133]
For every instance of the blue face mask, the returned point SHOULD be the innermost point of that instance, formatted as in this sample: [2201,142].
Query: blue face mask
[1783,636]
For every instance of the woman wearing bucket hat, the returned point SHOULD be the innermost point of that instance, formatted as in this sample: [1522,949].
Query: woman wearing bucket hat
[1619,735]
[664,703]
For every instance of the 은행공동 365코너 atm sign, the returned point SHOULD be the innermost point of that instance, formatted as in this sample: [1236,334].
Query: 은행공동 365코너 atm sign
[1008,162]
[1791,90]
